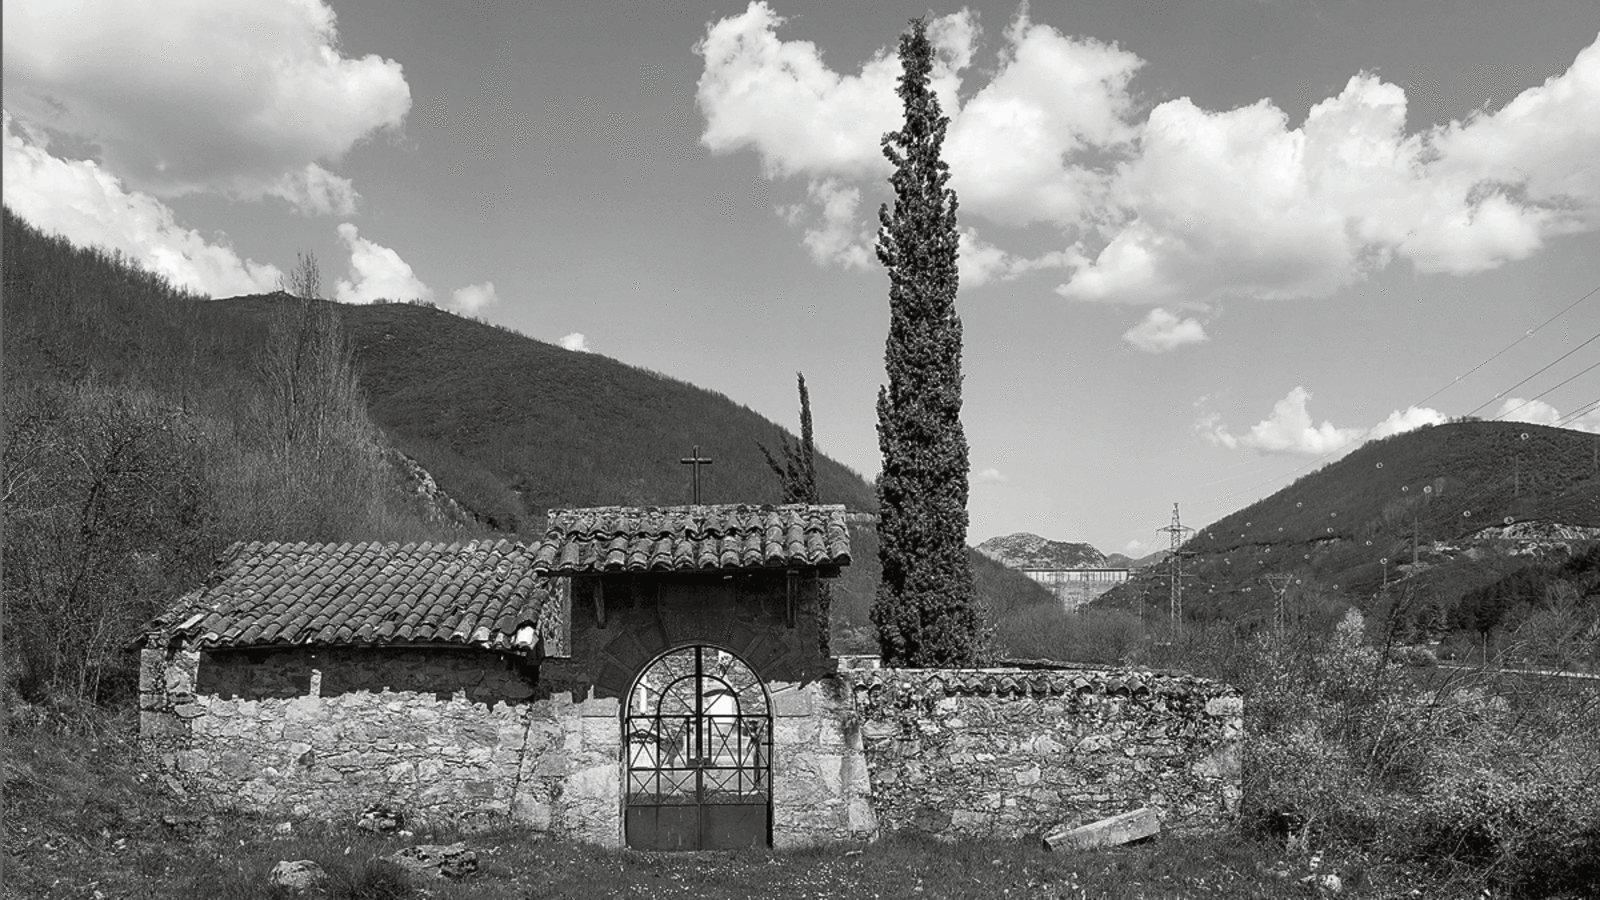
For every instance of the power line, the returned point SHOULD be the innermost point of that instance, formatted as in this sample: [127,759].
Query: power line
[1546,391]
[1579,413]
[1525,335]
[1536,374]
[1492,357]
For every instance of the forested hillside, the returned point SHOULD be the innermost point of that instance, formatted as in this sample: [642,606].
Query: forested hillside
[512,426]
[1430,515]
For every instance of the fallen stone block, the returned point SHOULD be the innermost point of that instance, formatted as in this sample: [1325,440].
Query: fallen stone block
[297,875]
[437,860]
[1112,832]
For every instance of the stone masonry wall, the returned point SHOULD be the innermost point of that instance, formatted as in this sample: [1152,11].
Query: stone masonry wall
[448,736]
[466,738]
[1009,752]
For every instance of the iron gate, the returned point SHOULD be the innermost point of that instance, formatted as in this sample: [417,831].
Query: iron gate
[698,740]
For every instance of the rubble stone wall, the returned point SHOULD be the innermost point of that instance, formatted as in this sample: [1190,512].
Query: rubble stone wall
[448,737]
[1010,752]
[468,739]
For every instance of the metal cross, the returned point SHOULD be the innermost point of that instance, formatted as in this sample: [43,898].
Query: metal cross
[697,462]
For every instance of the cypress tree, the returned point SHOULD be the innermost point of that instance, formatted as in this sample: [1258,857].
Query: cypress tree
[797,474]
[923,611]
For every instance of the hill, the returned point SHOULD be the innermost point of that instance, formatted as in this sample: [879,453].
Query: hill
[1030,551]
[1468,501]
[511,426]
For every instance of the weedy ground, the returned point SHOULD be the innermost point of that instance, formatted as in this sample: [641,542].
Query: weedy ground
[86,819]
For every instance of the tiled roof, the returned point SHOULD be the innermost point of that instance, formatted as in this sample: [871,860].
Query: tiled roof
[689,538]
[481,593]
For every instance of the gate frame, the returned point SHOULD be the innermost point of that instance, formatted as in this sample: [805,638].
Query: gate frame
[625,714]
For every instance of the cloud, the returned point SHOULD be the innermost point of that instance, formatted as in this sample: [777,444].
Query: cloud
[246,99]
[990,475]
[1052,97]
[836,238]
[474,297]
[1161,331]
[1538,412]
[1172,203]
[90,207]
[376,273]
[1409,419]
[576,342]
[980,262]
[779,98]
[1290,429]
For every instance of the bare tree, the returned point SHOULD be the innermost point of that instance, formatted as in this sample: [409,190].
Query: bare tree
[305,279]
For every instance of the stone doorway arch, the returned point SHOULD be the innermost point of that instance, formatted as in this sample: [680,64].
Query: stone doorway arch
[697,753]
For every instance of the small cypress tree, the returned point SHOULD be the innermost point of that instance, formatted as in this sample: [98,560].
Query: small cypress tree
[797,474]
[923,611]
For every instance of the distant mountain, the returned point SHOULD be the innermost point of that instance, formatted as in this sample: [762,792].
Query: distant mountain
[1030,551]
[1121,561]
[511,426]
[1441,495]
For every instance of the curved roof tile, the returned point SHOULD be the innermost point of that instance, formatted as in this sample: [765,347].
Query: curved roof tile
[681,538]
[266,594]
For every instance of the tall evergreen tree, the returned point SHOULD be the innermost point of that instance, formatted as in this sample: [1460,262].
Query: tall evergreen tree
[923,611]
[797,474]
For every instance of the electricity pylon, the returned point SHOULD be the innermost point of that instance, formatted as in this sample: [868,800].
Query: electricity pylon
[1179,533]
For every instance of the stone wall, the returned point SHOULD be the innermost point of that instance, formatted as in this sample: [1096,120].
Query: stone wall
[1010,752]
[449,736]
[463,737]
[466,738]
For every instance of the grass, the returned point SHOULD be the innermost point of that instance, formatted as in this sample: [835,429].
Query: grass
[86,817]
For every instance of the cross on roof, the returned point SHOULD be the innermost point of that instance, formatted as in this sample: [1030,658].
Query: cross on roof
[697,462]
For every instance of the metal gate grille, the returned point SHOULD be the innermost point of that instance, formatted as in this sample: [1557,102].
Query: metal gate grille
[698,739]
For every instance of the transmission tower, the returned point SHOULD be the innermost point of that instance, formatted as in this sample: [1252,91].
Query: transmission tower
[1178,532]
[1279,582]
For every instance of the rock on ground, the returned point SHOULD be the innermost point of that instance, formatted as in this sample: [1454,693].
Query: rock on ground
[296,875]
[437,860]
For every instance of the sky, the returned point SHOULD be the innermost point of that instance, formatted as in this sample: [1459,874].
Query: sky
[1206,247]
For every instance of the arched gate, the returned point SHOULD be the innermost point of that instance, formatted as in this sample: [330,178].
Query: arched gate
[697,736]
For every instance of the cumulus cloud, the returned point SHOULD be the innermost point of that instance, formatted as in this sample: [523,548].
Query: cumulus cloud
[1162,331]
[1408,419]
[1291,430]
[837,238]
[990,475]
[90,207]
[1179,203]
[1010,146]
[576,342]
[246,99]
[376,273]
[474,297]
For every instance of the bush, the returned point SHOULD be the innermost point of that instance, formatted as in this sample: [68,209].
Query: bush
[1108,637]
[1441,768]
